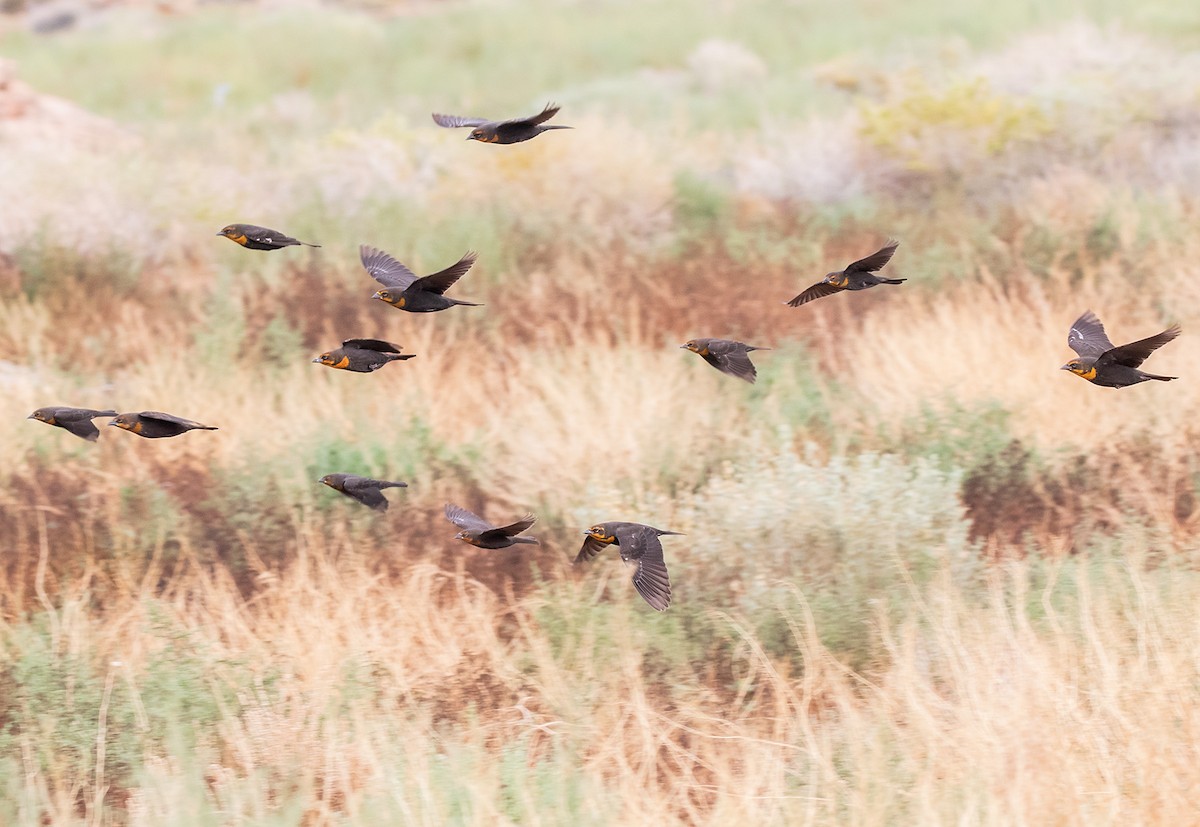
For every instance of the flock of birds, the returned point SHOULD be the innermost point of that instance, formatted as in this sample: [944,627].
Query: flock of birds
[1099,361]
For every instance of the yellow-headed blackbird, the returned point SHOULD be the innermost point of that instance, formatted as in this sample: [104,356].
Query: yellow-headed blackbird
[480,533]
[726,356]
[512,131]
[1102,363]
[253,237]
[362,355]
[367,491]
[858,276]
[76,420]
[156,425]
[401,287]
[638,543]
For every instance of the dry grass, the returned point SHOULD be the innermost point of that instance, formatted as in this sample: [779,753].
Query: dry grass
[926,578]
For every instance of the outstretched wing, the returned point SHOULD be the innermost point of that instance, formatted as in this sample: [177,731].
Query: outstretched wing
[876,260]
[385,269]
[1133,354]
[442,281]
[513,529]
[453,121]
[641,543]
[466,520]
[817,291]
[368,495]
[735,363]
[591,547]
[175,420]
[377,345]
[1088,339]
[546,114]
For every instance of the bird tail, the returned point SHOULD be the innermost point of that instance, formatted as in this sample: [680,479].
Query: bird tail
[892,281]
[661,532]
[555,126]
[306,244]
[392,484]
[207,428]
[1159,378]
[531,540]
[392,357]
[466,304]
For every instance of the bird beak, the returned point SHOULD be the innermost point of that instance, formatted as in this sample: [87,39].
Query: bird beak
[317,360]
[31,416]
[112,422]
[470,137]
[1065,367]
[220,233]
[377,296]
[683,347]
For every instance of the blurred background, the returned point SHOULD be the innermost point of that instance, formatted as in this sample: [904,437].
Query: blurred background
[927,577]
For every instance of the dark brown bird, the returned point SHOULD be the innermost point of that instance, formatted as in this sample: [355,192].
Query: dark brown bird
[367,491]
[253,237]
[726,356]
[402,289]
[76,420]
[362,355]
[857,276]
[1102,363]
[482,534]
[512,131]
[638,543]
[156,425]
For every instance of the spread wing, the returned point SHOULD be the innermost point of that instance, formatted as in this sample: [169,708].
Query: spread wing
[377,345]
[876,260]
[513,529]
[385,269]
[175,420]
[735,363]
[467,520]
[817,291]
[546,114]
[441,281]
[452,121]
[1088,339]
[591,547]
[1133,354]
[368,495]
[641,543]
[81,427]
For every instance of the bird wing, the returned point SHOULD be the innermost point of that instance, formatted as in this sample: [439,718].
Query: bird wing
[1133,354]
[533,120]
[81,427]
[441,281]
[735,363]
[467,520]
[641,543]
[166,417]
[876,260]
[591,547]
[513,529]
[453,121]
[368,495]
[1088,339]
[385,269]
[377,345]
[817,291]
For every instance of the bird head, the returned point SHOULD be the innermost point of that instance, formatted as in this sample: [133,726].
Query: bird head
[331,360]
[233,233]
[127,422]
[42,415]
[1079,367]
[600,534]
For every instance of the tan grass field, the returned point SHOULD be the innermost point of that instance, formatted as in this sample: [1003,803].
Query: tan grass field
[927,577]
